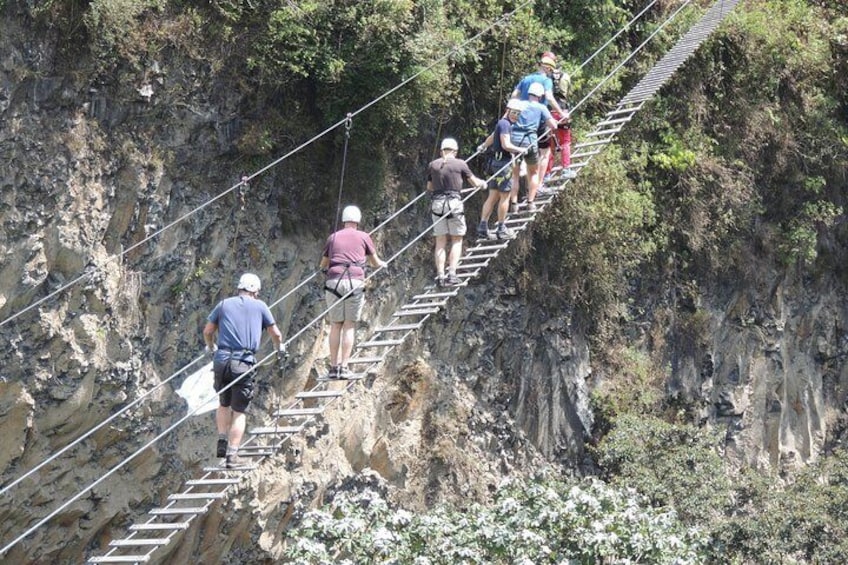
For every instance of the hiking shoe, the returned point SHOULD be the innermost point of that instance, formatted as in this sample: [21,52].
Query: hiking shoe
[236,462]
[531,206]
[221,448]
[452,280]
[440,281]
[483,231]
[505,233]
[569,173]
[333,373]
[513,207]
[344,373]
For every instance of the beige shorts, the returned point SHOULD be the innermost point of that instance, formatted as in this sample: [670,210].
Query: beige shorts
[349,309]
[448,216]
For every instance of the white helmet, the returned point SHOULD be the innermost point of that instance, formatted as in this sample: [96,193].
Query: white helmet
[516,104]
[536,89]
[249,282]
[450,143]
[351,214]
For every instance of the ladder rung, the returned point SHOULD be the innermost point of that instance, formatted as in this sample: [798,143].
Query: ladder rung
[293,412]
[223,469]
[365,360]
[472,265]
[401,313]
[586,154]
[624,110]
[140,542]
[276,430]
[429,295]
[481,255]
[614,121]
[488,247]
[211,482]
[579,165]
[470,275]
[150,526]
[177,511]
[591,144]
[196,496]
[612,131]
[436,304]
[319,394]
[401,327]
[258,451]
[381,343]
[120,559]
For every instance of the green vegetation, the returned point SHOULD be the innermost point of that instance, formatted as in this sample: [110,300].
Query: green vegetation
[544,521]
[741,162]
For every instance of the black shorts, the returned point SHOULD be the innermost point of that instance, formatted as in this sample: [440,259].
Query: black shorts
[544,138]
[239,395]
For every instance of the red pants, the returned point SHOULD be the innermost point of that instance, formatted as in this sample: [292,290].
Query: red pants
[561,148]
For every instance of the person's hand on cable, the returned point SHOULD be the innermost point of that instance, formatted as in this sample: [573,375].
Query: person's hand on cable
[210,350]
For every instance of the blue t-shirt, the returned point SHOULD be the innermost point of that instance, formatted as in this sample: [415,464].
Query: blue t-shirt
[240,320]
[525,128]
[504,127]
[523,85]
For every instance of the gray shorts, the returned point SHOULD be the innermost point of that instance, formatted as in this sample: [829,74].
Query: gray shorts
[448,215]
[349,309]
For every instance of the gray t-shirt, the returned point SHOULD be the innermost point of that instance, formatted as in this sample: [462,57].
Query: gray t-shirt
[240,320]
[447,176]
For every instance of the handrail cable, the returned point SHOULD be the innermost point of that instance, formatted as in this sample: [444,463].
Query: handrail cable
[272,164]
[287,294]
[285,344]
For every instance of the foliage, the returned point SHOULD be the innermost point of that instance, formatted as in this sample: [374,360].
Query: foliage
[675,465]
[545,521]
[602,232]
[636,386]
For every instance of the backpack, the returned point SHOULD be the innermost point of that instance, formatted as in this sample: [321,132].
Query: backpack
[562,83]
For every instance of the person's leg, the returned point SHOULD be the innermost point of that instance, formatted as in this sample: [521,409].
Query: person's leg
[542,168]
[455,253]
[516,183]
[223,420]
[335,340]
[348,335]
[565,142]
[532,181]
[239,422]
[489,205]
[439,254]
[503,206]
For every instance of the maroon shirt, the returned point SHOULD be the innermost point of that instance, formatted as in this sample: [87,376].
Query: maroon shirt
[348,246]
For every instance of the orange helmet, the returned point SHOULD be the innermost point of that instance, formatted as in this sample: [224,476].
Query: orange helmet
[548,59]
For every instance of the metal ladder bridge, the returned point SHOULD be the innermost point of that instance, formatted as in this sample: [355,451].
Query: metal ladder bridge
[164,524]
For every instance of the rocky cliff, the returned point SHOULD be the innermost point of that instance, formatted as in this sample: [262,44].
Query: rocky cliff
[94,164]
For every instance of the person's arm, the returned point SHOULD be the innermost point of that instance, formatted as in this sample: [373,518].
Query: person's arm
[276,336]
[552,102]
[508,145]
[477,182]
[429,186]
[209,335]
[325,263]
[552,123]
[375,261]
[486,143]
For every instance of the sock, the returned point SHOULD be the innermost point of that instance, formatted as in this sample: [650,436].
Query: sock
[232,451]
[222,436]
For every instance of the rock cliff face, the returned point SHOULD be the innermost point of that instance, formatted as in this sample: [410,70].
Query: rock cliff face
[496,386]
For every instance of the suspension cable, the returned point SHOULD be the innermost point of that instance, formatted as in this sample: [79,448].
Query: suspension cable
[179,422]
[269,166]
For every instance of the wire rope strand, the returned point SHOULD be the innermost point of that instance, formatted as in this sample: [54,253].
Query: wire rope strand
[293,337]
[271,165]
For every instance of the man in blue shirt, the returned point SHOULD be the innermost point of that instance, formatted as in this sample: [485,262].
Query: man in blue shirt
[238,321]
[542,76]
[525,134]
